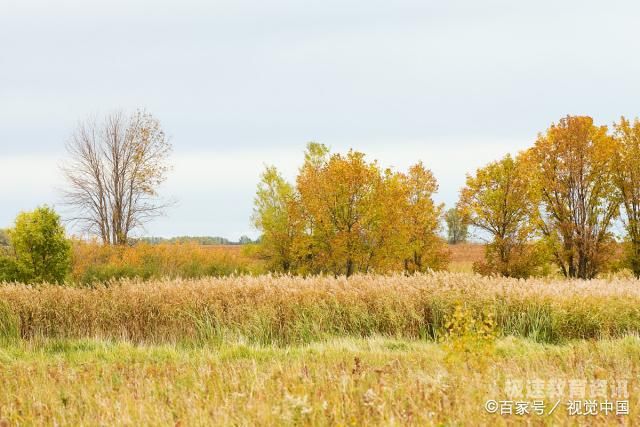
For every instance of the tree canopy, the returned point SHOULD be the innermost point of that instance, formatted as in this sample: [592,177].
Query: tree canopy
[40,251]
[346,215]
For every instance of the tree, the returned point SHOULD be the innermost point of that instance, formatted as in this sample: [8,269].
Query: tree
[337,198]
[40,250]
[456,227]
[626,176]
[245,240]
[346,215]
[273,216]
[573,162]
[423,218]
[500,201]
[115,169]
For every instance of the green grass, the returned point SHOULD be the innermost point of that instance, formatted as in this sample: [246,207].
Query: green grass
[347,381]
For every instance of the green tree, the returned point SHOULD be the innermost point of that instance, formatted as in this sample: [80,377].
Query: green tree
[457,228]
[40,250]
[273,215]
[245,240]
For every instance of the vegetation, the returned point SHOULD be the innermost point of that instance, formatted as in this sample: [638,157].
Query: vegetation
[457,228]
[558,201]
[114,172]
[346,381]
[573,161]
[499,200]
[355,326]
[293,310]
[39,250]
[95,263]
[200,240]
[4,238]
[373,350]
[626,175]
[346,215]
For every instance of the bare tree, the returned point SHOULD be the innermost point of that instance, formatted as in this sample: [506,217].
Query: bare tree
[115,169]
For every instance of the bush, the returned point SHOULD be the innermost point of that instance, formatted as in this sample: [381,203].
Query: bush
[40,250]
[524,260]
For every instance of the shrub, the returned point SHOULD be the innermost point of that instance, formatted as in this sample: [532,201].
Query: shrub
[40,250]
[525,260]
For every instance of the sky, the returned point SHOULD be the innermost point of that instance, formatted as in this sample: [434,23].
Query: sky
[240,84]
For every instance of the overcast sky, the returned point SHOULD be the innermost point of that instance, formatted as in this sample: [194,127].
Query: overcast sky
[238,84]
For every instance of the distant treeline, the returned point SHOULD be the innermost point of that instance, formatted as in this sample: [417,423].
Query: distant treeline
[201,240]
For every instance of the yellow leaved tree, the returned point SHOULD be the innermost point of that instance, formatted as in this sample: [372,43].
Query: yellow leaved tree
[500,201]
[347,215]
[573,171]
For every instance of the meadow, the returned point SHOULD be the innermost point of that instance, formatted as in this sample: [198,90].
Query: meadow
[425,349]
[92,262]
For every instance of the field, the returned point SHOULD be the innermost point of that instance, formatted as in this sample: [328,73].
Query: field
[371,350]
[463,255]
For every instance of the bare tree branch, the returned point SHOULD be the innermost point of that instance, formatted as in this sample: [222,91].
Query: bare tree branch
[113,174]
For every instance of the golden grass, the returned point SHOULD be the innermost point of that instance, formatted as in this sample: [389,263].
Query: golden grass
[289,310]
[92,262]
[466,252]
[265,350]
[375,381]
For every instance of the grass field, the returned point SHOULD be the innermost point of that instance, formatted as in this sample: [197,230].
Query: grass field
[372,350]
[348,381]
[463,255]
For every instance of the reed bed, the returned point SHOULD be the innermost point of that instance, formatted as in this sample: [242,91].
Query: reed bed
[293,310]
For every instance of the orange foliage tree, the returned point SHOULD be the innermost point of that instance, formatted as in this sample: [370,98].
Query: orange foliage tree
[626,176]
[347,215]
[573,163]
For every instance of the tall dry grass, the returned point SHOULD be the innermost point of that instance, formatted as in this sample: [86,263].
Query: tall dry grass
[94,263]
[289,310]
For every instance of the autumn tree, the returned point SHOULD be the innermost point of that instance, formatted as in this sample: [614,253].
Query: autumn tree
[338,198]
[573,162]
[626,176]
[347,215]
[500,202]
[113,174]
[422,218]
[457,228]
